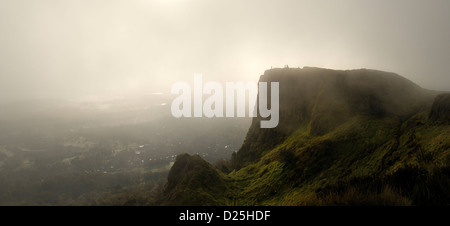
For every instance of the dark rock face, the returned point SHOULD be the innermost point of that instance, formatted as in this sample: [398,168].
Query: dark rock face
[440,110]
[324,98]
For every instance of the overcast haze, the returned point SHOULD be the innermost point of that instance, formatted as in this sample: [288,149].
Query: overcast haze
[84,48]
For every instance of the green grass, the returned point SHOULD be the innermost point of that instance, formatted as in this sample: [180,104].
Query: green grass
[357,163]
[349,140]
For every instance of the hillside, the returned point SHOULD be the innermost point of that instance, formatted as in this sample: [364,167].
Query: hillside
[356,137]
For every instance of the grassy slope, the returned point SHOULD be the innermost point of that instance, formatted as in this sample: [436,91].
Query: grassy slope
[345,138]
[362,161]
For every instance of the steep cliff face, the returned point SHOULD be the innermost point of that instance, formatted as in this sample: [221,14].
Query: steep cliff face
[323,99]
[344,137]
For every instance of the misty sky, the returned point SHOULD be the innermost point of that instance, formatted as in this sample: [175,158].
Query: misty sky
[84,48]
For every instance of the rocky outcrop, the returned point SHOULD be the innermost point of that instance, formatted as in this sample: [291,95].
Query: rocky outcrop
[324,98]
[190,182]
[440,110]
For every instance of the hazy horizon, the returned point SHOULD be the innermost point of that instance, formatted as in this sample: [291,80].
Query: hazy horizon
[83,49]
[91,113]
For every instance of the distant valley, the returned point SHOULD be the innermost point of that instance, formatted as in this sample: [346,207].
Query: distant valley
[105,152]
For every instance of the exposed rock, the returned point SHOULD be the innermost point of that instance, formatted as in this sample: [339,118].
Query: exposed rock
[440,110]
